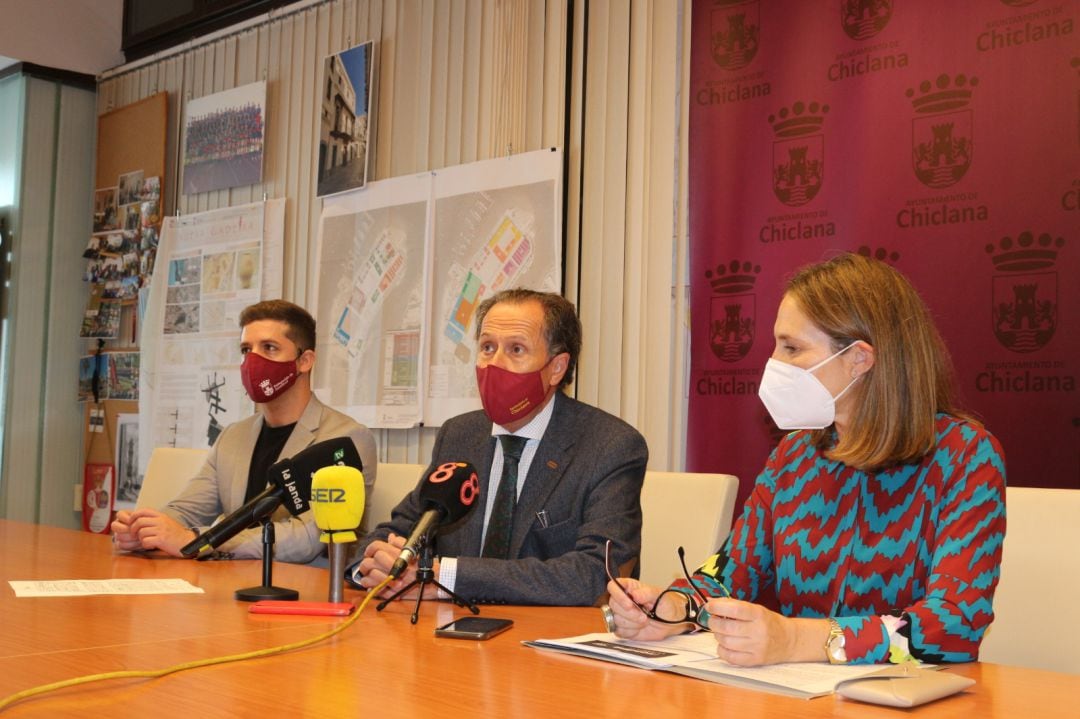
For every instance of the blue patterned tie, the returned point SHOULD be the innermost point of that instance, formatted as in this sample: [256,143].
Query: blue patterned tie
[501,521]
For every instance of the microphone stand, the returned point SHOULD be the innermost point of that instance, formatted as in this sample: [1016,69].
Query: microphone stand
[267,590]
[336,551]
[425,575]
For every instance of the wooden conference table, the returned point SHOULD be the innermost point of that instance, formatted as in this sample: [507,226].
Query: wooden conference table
[380,666]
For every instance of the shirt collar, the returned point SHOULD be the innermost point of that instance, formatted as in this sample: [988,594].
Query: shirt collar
[535,428]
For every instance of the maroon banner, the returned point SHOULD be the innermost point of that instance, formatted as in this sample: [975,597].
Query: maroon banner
[942,137]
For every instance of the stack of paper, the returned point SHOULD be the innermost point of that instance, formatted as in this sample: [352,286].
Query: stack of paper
[694,655]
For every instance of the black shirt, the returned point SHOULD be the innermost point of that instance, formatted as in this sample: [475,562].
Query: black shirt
[267,449]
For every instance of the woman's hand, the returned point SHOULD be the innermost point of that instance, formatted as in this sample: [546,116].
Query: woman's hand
[748,634]
[631,622]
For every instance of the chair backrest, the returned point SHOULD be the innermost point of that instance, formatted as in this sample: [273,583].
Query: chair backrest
[1034,625]
[168,472]
[392,482]
[683,509]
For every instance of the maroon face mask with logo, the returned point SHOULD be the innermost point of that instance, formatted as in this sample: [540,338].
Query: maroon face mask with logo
[508,396]
[264,379]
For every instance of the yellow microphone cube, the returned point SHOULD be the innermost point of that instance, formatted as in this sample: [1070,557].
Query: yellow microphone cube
[337,499]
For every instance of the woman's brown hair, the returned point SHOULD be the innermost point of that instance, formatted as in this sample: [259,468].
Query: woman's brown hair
[853,297]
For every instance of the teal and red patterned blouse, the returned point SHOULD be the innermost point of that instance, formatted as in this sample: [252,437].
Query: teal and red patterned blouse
[905,559]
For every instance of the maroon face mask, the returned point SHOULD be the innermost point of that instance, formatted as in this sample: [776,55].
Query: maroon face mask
[264,379]
[508,396]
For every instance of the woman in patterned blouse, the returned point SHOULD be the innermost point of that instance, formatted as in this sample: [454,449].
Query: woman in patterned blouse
[874,532]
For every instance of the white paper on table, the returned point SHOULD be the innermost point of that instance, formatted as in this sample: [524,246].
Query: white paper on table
[89,587]
[694,655]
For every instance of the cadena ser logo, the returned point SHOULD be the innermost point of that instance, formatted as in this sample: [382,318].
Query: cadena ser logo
[942,130]
[1025,298]
[862,19]
[734,28]
[798,164]
[732,314]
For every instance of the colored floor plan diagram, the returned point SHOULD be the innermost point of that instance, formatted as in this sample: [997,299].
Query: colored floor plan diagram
[378,273]
[497,238]
[371,299]
[503,258]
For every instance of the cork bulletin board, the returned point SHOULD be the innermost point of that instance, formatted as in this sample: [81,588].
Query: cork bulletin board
[130,139]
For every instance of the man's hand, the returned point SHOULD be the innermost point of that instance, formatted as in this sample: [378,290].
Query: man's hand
[146,529]
[379,558]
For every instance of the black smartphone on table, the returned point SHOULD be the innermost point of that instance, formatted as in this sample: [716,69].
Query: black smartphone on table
[473,628]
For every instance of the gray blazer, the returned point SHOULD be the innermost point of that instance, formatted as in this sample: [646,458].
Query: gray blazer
[586,475]
[220,485]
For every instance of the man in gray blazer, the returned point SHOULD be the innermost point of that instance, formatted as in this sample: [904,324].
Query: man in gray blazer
[277,341]
[578,482]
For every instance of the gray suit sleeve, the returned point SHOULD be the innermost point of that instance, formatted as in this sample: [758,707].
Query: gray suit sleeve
[402,517]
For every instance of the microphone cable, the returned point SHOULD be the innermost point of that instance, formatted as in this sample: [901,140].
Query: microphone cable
[156,673]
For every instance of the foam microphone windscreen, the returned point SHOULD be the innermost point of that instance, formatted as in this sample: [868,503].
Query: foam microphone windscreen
[293,475]
[337,500]
[452,488]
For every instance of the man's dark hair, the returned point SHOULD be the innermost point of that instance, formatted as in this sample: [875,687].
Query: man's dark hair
[562,328]
[299,325]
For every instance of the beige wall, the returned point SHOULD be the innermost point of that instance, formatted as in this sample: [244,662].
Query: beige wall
[467,80]
[78,35]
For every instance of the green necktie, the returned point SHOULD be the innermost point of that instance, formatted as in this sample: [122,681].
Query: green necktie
[501,521]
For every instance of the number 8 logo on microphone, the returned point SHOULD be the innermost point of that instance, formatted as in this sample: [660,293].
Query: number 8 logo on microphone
[444,472]
[470,489]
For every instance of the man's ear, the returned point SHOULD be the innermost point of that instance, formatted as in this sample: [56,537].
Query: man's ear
[559,365]
[306,361]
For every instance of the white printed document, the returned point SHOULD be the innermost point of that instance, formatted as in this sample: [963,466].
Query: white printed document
[694,655]
[89,587]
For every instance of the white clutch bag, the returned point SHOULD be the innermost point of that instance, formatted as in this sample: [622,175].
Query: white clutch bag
[903,685]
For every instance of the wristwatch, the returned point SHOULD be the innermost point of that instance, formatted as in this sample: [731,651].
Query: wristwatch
[834,645]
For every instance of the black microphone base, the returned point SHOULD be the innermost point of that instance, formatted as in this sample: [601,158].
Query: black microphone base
[254,594]
[425,575]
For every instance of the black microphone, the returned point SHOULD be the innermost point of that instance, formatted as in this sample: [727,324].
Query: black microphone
[290,484]
[446,496]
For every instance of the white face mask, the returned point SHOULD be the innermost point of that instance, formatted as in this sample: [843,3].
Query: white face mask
[797,399]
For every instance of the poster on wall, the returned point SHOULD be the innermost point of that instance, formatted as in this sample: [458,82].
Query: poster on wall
[93,373]
[345,102]
[941,138]
[116,375]
[124,376]
[213,264]
[129,478]
[372,301]
[105,210]
[496,226]
[403,266]
[223,139]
